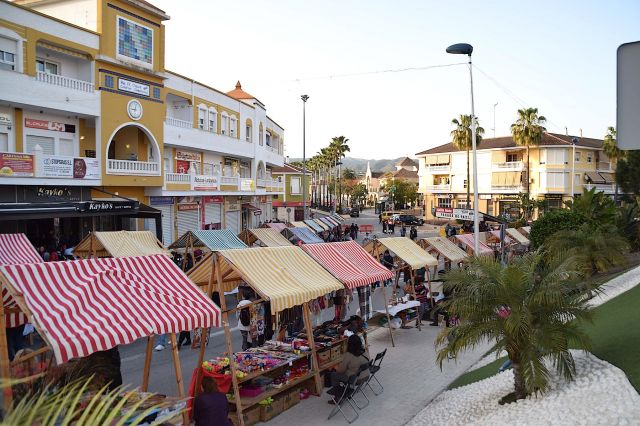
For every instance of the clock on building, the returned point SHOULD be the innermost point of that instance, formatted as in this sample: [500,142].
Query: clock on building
[134,109]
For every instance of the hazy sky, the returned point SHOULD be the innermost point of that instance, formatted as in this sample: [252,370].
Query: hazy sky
[558,56]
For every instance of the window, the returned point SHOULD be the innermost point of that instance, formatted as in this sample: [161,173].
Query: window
[156,92]
[268,139]
[464,183]
[513,157]
[46,67]
[7,60]
[553,156]
[4,142]
[108,81]
[295,185]
[444,202]
[245,169]
[554,179]
[248,132]
[224,124]
[232,126]
[207,169]
[212,120]
[576,158]
[261,136]
[47,144]
[135,42]
[589,157]
[202,113]
[168,162]
[65,147]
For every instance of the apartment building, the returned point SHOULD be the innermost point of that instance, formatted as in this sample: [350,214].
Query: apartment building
[95,133]
[290,205]
[502,173]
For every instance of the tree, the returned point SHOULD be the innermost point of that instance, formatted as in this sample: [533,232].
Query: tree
[528,131]
[596,207]
[405,191]
[628,173]
[610,148]
[339,148]
[359,193]
[526,308]
[552,222]
[461,139]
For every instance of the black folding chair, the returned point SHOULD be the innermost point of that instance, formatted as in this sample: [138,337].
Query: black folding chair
[360,384]
[348,388]
[373,370]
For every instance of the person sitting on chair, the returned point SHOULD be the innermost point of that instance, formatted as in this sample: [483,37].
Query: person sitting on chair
[351,362]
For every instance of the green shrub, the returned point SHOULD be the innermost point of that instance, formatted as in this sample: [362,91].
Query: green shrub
[552,222]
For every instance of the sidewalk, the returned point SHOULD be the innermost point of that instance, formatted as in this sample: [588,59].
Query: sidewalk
[410,377]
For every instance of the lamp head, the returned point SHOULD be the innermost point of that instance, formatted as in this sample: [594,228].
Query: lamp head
[304,98]
[460,49]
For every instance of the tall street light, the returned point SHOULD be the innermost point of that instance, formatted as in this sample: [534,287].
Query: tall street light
[304,98]
[467,49]
[574,141]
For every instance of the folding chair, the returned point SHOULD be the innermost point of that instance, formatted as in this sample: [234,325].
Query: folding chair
[360,384]
[373,369]
[345,396]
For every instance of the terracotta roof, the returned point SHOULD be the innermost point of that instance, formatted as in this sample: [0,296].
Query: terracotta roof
[406,161]
[376,175]
[238,93]
[549,139]
[405,174]
[287,168]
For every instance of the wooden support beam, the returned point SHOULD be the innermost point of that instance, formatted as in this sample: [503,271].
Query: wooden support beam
[315,367]
[176,365]
[147,363]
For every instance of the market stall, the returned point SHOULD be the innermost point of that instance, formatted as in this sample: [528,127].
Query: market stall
[521,239]
[301,224]
[123,299]
[322,225]
[278,226]
[285,277]
[264,237]
[327,220]
[440,246]
[337,217]
[305,235]
[525,230]
[467,242]
[119,244]
[313,225]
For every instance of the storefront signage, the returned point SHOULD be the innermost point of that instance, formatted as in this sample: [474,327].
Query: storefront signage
[553,196]
[12,164]
[133,87]
[205,183]
[161,201]
[49,125]
[257,212]
[460,214]
[107,206]
[5,119]
[68,167]
[485,196]
[247,185]
[218,199]
[187,207]
[188,156]
[231,205]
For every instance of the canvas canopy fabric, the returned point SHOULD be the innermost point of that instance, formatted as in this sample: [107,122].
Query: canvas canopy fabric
[525,230]
[15,249]
[200,274]
[332,221]
[322,225]
[410,252]
[311,224]
[285,276]
[337,217]
[301,224]
[279,226]
[91,305]
[521,239]
[305,235]
[222,239]
[268,237]
[120,244]
[349,263]
[327,221]
[447,249]
[496,234]
[467,240]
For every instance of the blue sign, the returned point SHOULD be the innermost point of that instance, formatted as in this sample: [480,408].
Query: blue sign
[161,201]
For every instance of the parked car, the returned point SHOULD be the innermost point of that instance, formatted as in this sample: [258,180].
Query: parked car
[354,212]
[407,219]
[388,214]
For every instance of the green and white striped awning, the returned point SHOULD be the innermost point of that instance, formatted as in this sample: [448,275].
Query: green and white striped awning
[214,240]
[313,225]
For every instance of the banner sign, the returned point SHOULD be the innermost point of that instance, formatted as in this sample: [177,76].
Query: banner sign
[133,87]
[107,206]
[187,207]
[161,201]
[205,183]
[86,168]
[49,125]
[257,212]
[219,199]
[188,156]
[53,166]
[460,214]
[247,185]
[13,164]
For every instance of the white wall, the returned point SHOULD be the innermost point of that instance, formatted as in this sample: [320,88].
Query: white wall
[83,13]
[68,66]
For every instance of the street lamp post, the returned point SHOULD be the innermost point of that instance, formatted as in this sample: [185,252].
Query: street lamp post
[467,49]
[574,141]
[304,98]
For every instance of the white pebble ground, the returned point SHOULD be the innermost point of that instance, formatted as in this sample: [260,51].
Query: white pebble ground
[599,395]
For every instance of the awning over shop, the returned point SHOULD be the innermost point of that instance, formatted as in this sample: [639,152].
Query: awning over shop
[467,240]
[594,177]
[250,207]
[212,239]
[313,225]
[446,248]
[86,306]
[407,250]
[305,235]
[506,178]
[279,226]
[521,239]
[349,263]
[120,244]
[15,249]
[609,178]
[285,276]
[268,237]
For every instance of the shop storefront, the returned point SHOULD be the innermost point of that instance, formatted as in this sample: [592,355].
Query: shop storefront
[188,216]
[165,206]
[213,211]
[509,208]
[232,211]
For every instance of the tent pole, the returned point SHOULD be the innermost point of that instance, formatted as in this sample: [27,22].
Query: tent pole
[93,245]
[386,308]
[5,366]
[413,291]
[314,360]
[147,363]
[178,370]
[227,338]
[430,293]
[203,341]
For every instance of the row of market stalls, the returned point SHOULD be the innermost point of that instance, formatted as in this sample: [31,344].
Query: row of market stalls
[514,240]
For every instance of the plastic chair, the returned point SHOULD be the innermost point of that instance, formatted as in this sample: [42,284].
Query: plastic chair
[373,369]
[349,388]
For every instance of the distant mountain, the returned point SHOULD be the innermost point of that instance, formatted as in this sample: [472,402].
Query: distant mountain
[359,165]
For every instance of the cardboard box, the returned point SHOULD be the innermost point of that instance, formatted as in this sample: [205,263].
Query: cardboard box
[324,357]
[267,412]
[251,416]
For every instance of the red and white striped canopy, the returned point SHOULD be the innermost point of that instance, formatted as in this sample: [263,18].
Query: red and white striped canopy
[15,249]
[349,263]
[85,306]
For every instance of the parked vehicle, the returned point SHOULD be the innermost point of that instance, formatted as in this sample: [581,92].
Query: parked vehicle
[407,219]
[354,212]
[387,215]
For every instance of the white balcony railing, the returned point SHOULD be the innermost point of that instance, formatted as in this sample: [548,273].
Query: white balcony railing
[177,178]
[438,188]
[509,165]
[439,169]
[128,167]
[66,82]
[601,187]
[513,188]
[230,181]
[261,183]
[275,186]
[176,122]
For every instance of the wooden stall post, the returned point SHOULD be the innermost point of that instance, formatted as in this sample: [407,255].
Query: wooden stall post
[227,337]
[93,244]
[176,365]
[147,363]
[5,366]
[386,308]
[413,290]
[314,360]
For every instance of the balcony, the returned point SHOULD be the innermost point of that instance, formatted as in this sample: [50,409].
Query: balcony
[128,167]
[603,165]
[445,187]
[509,165]
[508,188]
[176,122]
[179,178]
[270,185]
[439,169]
[66,82]
[607,188]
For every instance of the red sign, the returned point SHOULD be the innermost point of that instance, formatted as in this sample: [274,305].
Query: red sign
[187,207]
[213,199]
[12,164]
[289,204]
[49,125]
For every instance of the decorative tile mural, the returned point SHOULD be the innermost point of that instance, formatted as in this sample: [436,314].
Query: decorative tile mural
[135,41]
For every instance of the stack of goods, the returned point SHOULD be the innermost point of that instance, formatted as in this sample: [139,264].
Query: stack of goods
[220,365]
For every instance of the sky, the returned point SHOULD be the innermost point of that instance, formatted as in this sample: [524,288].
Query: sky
[558,56]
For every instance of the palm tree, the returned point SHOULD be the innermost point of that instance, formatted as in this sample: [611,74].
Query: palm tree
[340,148]
[461,139]
[595,206]
[528,131]
[526,308]
[610,148]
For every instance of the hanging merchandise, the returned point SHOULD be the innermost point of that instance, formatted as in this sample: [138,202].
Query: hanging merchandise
[364,300]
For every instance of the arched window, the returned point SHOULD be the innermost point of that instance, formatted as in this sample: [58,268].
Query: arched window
[248,131]
[213,118]
[202,117]
[233,126]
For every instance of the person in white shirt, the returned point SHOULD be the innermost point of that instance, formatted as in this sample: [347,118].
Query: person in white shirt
[244,317]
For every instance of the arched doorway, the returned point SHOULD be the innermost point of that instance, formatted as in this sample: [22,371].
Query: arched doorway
[132,150]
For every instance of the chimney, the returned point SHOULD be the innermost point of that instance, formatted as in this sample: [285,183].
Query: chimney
[566,131]
[580,132]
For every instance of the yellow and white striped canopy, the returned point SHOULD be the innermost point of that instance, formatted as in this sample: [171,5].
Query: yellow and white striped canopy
[407,250]
[301,224]
[200,274]
[286,276]
[521,239]
[120,244]
[446,248]
[269,237]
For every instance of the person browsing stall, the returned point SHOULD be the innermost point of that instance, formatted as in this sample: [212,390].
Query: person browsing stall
[244,317]
[211,407]
[351,362]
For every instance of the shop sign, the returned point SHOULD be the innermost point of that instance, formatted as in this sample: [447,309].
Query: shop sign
[247,185]
[231,205]
[257,212]
[187,207]
[43,194]
[13,164]
[204,183]
[107,206]
[68,167]
[188,156]
[5,119]
[484,196]
[49,125]
[553,196]
[133,87]
[219,199]
[460,214]
[161,201]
